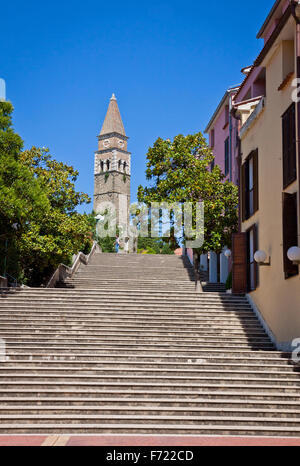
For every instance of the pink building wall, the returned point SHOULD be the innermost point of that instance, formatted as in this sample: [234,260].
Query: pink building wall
[251,87]
[220,125]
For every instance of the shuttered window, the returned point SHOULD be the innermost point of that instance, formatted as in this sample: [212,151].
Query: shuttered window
[249,186]
[290,232]
[289,146]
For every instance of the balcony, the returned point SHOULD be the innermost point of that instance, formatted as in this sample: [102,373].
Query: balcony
[249,111]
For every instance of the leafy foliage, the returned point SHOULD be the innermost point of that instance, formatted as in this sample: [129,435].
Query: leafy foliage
[155,246]
[38,195]
[178,171]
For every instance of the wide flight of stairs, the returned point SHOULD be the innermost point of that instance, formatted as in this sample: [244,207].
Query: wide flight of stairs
[128,346]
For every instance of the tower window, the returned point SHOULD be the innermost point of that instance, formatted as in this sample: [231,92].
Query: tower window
[102,165]
[124,166]
[108,164]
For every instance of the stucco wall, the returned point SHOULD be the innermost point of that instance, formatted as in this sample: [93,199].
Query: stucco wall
[277,299]
[221,134]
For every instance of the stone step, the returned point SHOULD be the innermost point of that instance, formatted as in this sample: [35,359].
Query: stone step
[74,331]
[211,297]
[153,429]
[59,318]
[201,385]
[150,403]
[79,324]
[232,393]
[130,305]
[131,328]
[28,331]
[16,370]
[215,355]
[123,314]
[195,299]
[133,313]
[192,342]
[193,380]
[144,420]
[154,366]
[150,411]
[130,349]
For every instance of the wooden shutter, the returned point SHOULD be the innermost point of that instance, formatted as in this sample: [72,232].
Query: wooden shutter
[290,232]
[243,191]
[255,181]
[289,146]
[239,263]
[255,236]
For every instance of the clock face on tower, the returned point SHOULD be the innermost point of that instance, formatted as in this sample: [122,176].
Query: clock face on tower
[121,143]
[106,143]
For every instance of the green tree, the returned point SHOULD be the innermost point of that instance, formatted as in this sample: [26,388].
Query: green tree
[178,171]
[21,195]
[39,225]
[22,198]
[60,232]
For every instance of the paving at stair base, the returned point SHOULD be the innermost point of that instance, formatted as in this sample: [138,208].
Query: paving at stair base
[149,356]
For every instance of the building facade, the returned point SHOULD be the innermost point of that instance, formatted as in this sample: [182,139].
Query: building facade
[223,133]
[269,113]
[112,168]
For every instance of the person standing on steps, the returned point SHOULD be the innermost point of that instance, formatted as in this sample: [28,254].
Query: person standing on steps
[117,244]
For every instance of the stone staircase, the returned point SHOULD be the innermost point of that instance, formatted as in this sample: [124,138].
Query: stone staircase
[127,346]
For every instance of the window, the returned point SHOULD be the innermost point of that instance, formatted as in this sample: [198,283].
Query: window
[249,186]
[252,266]
[212,138]
[212,165]
[227,156]
[289,146]
[237,137]
[226,115]
[288,53]
[290,232]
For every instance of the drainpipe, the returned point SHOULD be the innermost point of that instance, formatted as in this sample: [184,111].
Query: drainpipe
[294,4]
[230,137]
[239,166]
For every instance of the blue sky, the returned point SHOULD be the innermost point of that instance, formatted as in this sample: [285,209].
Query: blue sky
[169,63]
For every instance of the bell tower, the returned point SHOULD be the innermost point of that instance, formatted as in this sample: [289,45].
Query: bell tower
[112,165]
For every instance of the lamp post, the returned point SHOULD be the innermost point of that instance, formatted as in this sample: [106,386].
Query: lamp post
[227,253]
[294,255]
[260,257]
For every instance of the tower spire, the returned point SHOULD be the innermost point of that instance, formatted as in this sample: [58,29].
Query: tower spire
[113,121]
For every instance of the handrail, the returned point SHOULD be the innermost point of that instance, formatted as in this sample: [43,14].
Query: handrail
[3,282]
[63,271]
[13,278]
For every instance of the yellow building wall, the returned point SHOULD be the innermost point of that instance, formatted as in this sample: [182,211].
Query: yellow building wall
[277,299]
